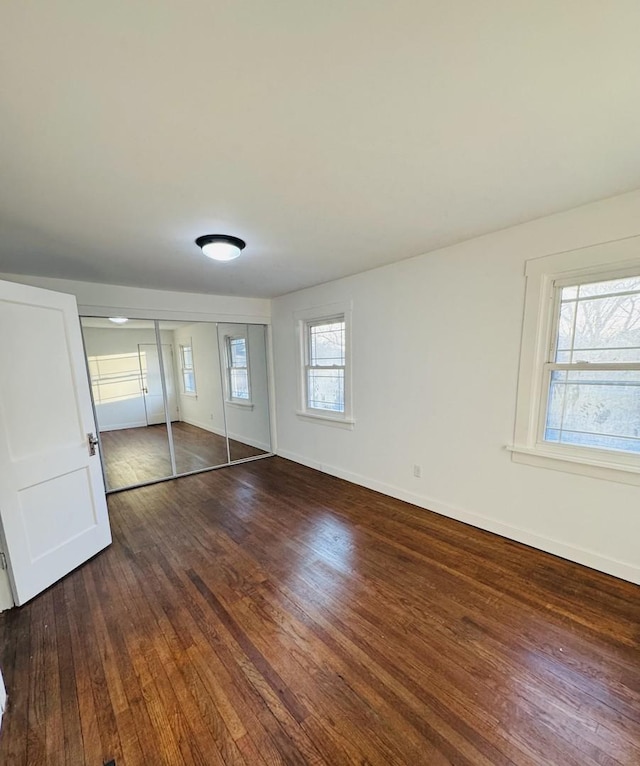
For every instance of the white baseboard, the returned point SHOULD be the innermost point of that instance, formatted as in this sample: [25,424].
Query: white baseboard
[250,442]
[236,437]
[591,559]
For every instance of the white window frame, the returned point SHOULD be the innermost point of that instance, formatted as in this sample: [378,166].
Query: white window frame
[304,320]
[230,398]
[544,278]
[184,368]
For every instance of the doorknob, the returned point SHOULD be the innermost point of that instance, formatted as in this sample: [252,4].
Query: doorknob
[92,441]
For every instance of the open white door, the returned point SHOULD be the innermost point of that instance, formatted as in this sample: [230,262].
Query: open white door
[52,500]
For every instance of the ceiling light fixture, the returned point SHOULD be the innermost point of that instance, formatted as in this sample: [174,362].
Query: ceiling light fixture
[118,320]
[221,247]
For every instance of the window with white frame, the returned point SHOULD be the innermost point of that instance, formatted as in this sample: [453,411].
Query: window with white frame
[187,371]
[324,364]
[237,353]
[593,370]
[579,386]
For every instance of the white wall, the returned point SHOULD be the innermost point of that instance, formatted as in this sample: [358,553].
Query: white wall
[126,413]
[205,409]
[436,342]
[250,425]
[105,300]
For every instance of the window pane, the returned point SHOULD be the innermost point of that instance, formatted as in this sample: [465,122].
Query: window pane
[327,344]
[238,352]
[565,327]
[326,390]
[187,357]
[611,323]
[555,403]
[239,379]
[595,409]
[610,286]
[189,381]
[600,322]
[569,293]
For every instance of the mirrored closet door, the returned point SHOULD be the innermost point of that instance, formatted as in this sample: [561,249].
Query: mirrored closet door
[173,398]
[243,355]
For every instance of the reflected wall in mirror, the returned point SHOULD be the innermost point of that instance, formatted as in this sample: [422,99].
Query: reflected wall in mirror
[199,435]
[243,360]
[126,384]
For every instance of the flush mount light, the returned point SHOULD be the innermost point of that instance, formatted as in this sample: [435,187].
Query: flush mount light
[118,320]
[221,247]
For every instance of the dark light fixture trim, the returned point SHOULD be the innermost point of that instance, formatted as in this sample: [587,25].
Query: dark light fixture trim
[205,240]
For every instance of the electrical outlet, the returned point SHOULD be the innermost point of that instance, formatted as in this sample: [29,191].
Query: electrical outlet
[417,471]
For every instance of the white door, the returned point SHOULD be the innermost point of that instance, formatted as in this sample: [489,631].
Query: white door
[152,382]
[52,501]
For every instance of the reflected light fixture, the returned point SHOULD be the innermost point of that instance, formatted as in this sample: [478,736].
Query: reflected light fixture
[118,320]
[221,247]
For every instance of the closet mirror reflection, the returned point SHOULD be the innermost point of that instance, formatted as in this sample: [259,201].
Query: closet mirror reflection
[175,397]
[243,353]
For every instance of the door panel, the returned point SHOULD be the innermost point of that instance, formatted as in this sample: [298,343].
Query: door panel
[52,502]
[199,436]
[42,413]
[152,382]
[50,519]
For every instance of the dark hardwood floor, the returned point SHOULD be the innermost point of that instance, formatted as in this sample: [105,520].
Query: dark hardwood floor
[136,455]
[269,614]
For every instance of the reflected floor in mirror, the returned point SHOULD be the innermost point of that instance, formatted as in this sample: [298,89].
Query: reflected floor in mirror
[136,455]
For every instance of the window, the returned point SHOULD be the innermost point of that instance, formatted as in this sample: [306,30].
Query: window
[579,386]
[238,369]
[324,366]
[594,369]
[187,371]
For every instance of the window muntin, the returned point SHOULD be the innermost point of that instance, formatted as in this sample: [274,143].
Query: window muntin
[593,372]
[238,368]
[187,370]
[325,364]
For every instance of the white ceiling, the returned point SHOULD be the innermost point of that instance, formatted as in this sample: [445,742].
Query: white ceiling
[332,136]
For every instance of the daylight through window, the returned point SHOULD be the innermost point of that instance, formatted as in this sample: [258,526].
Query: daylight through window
[325,368]
[237,368]
[594,366]
[188,374]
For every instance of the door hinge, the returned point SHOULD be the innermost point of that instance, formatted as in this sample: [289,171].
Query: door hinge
[3,561]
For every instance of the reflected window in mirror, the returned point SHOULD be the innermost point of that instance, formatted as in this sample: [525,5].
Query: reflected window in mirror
[238,379]
[187,370]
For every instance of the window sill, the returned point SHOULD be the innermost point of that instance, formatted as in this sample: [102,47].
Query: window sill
[239,405]
[328,420]
[190,394]
[597,466]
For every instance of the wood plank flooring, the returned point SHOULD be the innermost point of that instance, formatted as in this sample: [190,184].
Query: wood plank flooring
[136,455]
[269,614]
